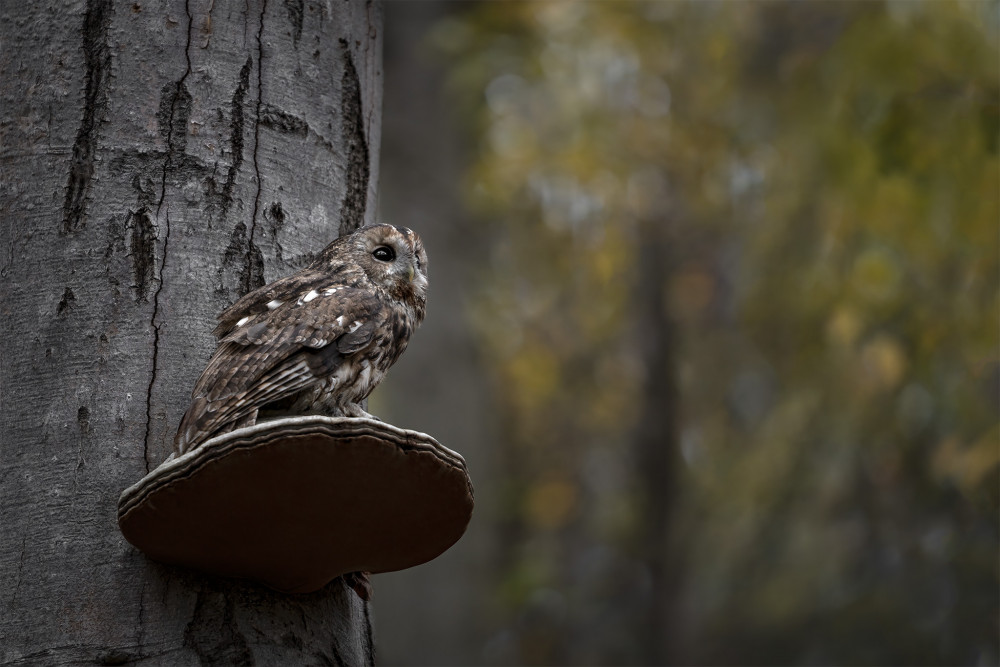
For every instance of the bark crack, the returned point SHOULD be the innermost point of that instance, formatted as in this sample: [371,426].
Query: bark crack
[156,343]
[83,419]
[279,120]
[236,126]
[181,103]
[256,128]
[240,251]
[352,209]
[97,65]
[142,251]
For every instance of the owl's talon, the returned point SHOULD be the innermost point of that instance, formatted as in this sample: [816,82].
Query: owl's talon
[357,412]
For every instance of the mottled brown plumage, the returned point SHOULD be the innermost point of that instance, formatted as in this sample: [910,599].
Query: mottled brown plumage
[315,342]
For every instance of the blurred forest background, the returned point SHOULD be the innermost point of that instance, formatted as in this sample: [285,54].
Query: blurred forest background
[714,318]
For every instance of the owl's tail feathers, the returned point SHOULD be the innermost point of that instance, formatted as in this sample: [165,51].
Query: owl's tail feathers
[232,409]
[194,426]
[204,420]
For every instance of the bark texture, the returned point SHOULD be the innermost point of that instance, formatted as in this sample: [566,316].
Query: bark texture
[157,161]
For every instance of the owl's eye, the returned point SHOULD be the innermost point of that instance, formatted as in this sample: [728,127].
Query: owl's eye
[384,253]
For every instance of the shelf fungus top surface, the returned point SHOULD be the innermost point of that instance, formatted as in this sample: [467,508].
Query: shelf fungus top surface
[294,503]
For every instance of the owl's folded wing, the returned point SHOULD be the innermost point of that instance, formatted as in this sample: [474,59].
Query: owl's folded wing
[261,299]
[278,353]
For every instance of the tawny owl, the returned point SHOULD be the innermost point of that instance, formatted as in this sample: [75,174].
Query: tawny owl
[315,342]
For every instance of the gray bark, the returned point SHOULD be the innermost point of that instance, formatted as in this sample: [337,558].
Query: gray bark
[159,159]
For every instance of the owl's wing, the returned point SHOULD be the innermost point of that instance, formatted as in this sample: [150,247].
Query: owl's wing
[256,302]
[278,353]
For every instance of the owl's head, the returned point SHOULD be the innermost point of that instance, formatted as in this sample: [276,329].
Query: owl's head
[393,258]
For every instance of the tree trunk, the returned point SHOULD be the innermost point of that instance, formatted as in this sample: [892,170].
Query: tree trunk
[159,159]
[656,438]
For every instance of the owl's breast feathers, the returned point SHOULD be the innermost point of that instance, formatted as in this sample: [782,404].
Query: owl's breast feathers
[328,338]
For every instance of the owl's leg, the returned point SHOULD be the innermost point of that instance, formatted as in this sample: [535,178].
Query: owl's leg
[355,410]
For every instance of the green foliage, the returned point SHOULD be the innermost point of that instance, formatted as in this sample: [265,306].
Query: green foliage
[828,180]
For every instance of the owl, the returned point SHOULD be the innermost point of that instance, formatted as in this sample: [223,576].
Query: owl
[315,342]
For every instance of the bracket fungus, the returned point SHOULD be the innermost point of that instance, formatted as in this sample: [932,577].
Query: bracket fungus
[294,503]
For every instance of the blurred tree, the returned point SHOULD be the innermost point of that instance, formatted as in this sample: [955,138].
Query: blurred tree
[789,213]
[425,615]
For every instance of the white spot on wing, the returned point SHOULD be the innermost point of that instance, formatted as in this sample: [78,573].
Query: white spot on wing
[310,296]
[243,321]
[273,304]
[354,326]
[330,290]
[340,320]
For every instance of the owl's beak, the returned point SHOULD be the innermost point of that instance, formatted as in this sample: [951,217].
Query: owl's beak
[412,272]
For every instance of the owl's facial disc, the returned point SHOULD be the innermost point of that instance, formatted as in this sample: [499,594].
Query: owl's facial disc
[396,259]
